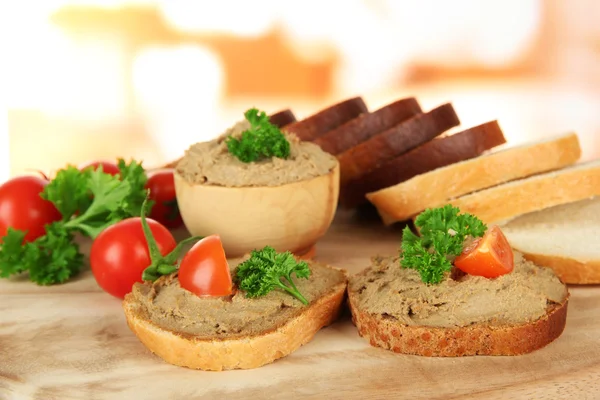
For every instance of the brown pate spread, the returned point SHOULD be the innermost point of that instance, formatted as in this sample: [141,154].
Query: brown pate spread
[210,163]
[519,297]
[166,304]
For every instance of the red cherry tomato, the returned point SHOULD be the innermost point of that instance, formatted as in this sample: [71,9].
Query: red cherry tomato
[489,256]
[120,254]
[22,208]
[107,166]
[204,270]
[162,191]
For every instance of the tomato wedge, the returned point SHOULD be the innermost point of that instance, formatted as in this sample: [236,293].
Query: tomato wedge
[489,256]
[204,270]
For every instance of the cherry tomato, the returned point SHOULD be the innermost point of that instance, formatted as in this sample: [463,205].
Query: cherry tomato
[489,256]
[22,208]
[162,191]
[120,254]
[107,166]
[204,270]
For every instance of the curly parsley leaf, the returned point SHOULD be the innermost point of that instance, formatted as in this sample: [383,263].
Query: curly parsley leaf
[262,140]
[109,194]
[133,173]
[54,257]
[443,233]
[11,255]
[69,191]
[89,202]
[267,270]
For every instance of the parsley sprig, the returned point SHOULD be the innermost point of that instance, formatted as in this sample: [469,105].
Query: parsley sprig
[89,201]
[267,270]
[443,232]
[262,140]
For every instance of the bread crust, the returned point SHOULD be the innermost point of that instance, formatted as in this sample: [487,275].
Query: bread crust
[504,202]
[236,353]
[365,126]
[406,199]
[456,342]
[434,154]
[569,270]
[376,151]
[282,118]
[327,119]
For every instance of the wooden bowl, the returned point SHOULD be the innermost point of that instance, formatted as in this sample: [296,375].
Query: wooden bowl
[288,217]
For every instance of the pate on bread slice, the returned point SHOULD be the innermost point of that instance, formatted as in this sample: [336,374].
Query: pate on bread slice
[235,331]
[457,290]
[510,315]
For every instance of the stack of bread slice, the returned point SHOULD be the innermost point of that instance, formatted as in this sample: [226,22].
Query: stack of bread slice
[392,144]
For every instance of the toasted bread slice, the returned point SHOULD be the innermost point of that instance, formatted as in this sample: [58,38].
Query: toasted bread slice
[244,351]
[435,188]
[429,156]
[374,152]
[488,333]
[456,342]
[325,120]
[282,118]
[365,126]
[563,238]
[504,202]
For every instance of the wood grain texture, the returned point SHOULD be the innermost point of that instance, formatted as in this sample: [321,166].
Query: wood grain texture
[72,342]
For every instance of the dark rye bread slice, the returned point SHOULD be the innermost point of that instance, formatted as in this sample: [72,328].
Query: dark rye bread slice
[376,151]
[435,154]
[282,118]
[472,340]
[366,126]
[325,120]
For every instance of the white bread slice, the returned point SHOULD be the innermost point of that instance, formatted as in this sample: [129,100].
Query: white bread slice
[252,351]
[435,188]
[499,204]
[564,237]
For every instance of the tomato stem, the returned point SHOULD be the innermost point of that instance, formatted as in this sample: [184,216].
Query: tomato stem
[155,255]
[159,264]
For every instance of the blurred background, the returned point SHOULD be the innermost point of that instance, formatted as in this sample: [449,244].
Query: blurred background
[83,80]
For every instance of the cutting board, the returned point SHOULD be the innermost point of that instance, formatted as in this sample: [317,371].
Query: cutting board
[71,342]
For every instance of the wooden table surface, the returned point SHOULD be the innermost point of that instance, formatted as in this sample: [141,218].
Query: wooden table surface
[71,342]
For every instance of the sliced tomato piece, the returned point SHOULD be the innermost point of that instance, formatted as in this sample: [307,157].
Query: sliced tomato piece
[489,256]
[204,270]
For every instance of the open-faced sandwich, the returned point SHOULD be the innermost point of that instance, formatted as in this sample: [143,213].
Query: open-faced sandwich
[257,185]
[207,314]
[458,289]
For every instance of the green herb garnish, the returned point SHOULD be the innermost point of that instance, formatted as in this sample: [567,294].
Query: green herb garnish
[266,270]
[160,265]
[89,201]
[443,232]
[262,140]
